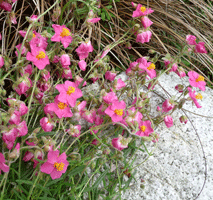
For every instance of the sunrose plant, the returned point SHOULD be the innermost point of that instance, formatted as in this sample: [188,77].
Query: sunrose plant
[70,112]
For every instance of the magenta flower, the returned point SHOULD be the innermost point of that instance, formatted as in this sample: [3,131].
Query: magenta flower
[195,97]
[84,49]
[69,93]
[65,60]
[119,84]
[183,119]
[67,73]
[116,111]
[9,137]
[82,64]
[22,129]
[61,109]
[200,48]
[46,125]
[38,41]
[120,142]
[133,116]
[144,36]
[24,50]
[3,167]
[62,34]
[28,69]
[38,56]
[146,22]
[145,129]
[149,68]
[56,165]
[141,11]
[78,81]
[110,97]
[110,76]
[180,72]
[167,106]
[5,6]
[191,39]
[15,118]
[168,121]
[74,131]
[1,61]
[196,80]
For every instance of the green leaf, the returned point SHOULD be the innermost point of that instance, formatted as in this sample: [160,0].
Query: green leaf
[103,16]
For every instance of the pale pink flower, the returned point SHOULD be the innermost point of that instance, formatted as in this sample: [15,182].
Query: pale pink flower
[16,152]
[46,125]
[133,116]
[74,131]
[84,49]
[110,97]
[67,73]
[24,50]
[22,129]
[180,72]
[38,56]
[168,121]
[56,165]
[145,129]
[62,34]
[65,60]
[3,167]
[196,80]
[38,154]
[120,142]
[33,18]
[13,18]
[22,87]
[15,118]
[116,110]
[144,37]
[69,93]
[89,116]
[9,137]
[141,11]
[82,64]
[146,22]
[78,81]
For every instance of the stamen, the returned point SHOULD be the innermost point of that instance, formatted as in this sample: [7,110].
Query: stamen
[199,96]
[65,32]
[143,128]
[70,90]
[59,166]
[62,105]
[200,78]
[118,112]
[143,9]
[41,55]
[151,66]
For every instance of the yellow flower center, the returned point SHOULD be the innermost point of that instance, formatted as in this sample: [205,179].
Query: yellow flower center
[41,55]
[200,78]
[199,96]
[62,105]
[151,66]
[34,35]
[118,112]
[70,90]
[65,32]
[78,103]
[143,9]
[59,166]
[143,128]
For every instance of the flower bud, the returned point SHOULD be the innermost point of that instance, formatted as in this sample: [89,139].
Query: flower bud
[183,119]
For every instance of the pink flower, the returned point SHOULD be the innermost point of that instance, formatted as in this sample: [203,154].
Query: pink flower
[5,6]
[74,131]
[0,37]
[38,41]
[22,129]
[38,56]
[120,142]
[196,80]
[67,73]
[28,156]
[69,93]
[191,39]
[84,49]
[145,129]
[78,81]
[3,167]
[94,20]
[65,60]
[28,69]
[46,125]
[105,52]
[33,18]
[149,68]
[179,88]
[82,64]
[89,116]
[24,50]
[16,152]
[133,116]
[200,48]
[141,11]
[167,106]
[110,97]
[56,165]
[22,87]
[119,84]
[168,121]
[144,37]
[110,76]
[15,118]
[116,111]
[61,109]
[180,72]
[62,34]
[146,22]
[9,137]
[195,97]
[1,61]
[13,18]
